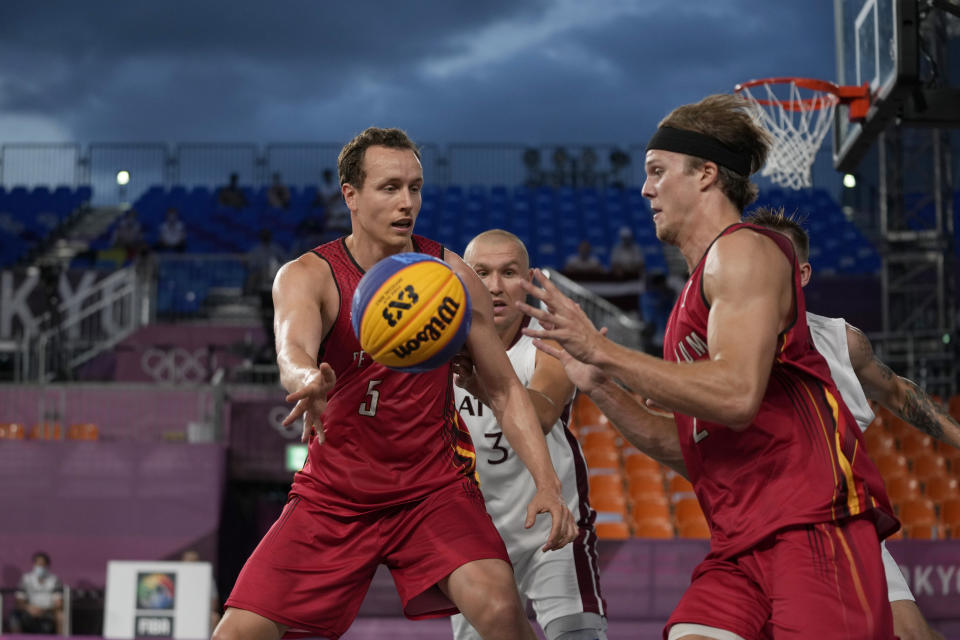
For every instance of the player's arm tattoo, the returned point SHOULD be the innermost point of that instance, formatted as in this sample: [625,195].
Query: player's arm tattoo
[879,382]
[886,373]
[902,396]
[921,411]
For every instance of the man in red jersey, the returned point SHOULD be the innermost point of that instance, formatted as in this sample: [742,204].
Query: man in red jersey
[390,476]
[795,514]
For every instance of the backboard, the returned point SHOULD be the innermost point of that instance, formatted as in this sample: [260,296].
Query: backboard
[877,45]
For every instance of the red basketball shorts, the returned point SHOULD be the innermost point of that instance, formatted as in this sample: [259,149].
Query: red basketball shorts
[312,570]
[813,581]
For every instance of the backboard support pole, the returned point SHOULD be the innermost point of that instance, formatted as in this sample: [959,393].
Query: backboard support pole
[918,277]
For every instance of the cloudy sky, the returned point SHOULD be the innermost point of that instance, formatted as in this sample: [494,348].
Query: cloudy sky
[525,71]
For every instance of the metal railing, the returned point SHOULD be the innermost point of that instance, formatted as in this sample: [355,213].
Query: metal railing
[621,328]
[61,340]
[925,357]
[65,629]
[300,164]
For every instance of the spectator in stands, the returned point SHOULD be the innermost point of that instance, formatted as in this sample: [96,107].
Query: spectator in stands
[278,195]
[173,233]
[656,302]
[327,189]
[336,213]
[310,232]
[39,600]
[128,236]
[626,258]
[232,195]
[583,263]
[263,262]
[192,555]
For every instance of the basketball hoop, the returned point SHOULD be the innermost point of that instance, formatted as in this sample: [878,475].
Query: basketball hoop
[798,113]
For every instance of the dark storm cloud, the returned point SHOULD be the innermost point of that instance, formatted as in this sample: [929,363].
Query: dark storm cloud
[121,70]
[612,81]
[447,71]
[290,30]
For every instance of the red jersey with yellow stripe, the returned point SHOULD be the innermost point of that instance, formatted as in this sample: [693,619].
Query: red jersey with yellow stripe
[391,437]
[801,461]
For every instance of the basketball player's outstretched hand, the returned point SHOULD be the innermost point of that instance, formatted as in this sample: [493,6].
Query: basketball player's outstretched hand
[563,320]
[586,377]
[311,400]
[563,528]
[465,376]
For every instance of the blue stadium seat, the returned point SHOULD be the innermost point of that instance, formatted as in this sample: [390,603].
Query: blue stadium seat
[499,191]
[497,217]
[654,259]
[177,195]
[522,192]
[431,192]
[307,195]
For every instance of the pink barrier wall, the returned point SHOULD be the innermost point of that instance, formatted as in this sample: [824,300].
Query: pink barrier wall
[89,502]
[121,412]
[644,579]
[177,353]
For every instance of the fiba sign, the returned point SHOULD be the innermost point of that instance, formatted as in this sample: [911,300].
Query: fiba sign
[158,600]
[154,627]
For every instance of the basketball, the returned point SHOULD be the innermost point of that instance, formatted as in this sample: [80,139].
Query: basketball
[411,312]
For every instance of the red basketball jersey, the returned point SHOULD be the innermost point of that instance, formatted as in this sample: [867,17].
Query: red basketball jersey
[801,461]
[391,437]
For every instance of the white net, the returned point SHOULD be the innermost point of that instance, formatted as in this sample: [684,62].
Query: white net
[799,120]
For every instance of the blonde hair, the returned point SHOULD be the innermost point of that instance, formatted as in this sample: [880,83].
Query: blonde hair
[730,120]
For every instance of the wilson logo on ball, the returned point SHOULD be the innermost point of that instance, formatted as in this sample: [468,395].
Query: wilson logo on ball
[411,312]
[433,330]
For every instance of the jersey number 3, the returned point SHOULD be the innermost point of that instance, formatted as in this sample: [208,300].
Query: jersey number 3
[504,453]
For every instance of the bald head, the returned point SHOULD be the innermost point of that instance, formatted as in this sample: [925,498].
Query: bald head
[501,261]
[496,238]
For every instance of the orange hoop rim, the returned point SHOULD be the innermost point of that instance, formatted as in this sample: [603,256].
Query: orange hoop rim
[857,97]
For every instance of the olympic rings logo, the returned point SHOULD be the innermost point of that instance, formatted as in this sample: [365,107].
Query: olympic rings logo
[174,365]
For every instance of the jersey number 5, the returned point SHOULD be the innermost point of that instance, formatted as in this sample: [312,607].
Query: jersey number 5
[369,406]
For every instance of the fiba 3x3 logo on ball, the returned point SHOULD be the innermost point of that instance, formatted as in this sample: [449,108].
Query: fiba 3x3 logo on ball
[411,312]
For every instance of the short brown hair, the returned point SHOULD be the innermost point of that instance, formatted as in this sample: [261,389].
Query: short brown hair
[350,160]
[788,225]
[729,119]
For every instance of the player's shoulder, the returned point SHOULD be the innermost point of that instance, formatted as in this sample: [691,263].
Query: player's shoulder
[744,250]
[856,338]
[745,238]
[825,322]
[309,264]
[307,273]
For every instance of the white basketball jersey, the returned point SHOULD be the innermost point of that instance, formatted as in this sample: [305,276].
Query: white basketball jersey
[830,339]
[506,484]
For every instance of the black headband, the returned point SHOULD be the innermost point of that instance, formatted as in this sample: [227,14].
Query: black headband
[702,146]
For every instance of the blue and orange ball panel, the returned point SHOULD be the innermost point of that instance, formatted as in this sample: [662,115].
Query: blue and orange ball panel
[411,312]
